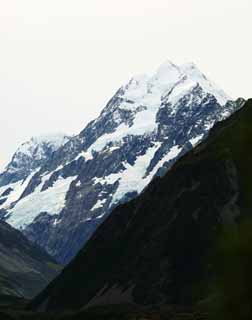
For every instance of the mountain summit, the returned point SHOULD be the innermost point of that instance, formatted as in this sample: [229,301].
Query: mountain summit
[146,126]
[30,156]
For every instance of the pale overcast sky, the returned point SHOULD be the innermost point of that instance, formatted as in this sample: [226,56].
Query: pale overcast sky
[61,60]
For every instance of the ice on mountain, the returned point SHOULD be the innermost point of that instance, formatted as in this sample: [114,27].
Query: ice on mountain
[176,81]
[36,144]
[193,73]
[99,204]
[51,201]
[172,153]
[194,141]
[132,178]
[17,190]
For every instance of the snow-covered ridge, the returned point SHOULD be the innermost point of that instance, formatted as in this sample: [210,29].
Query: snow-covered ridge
[151,89]
[51,201]
[192,72]
[35,144]
[32,153]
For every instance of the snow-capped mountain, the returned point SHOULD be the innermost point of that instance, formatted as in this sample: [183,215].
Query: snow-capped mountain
[30,156]
[144,128]
[27,160]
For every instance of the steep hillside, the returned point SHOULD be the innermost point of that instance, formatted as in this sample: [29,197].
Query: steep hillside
[155,249]
[25,269]
[147,125]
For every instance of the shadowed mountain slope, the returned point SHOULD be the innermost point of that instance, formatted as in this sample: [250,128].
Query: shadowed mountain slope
[155,249]
[25,269]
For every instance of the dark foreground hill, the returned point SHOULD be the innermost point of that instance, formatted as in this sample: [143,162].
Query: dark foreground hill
[155,250]
[25,269]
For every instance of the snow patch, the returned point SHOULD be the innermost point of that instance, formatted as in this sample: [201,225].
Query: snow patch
[132,178]
[35,145]
[18,188]
[99,204]
[78,184]
[196,140]
[173,153]
[144,123]
[194,74]
[50,201]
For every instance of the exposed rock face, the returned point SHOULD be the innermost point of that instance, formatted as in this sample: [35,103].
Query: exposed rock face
[147,125]
[25,269]
[155,249]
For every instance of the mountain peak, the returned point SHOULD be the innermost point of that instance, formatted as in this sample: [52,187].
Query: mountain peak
[167,72]
[31,155]
[193,73]
[166,66]
[189,65]
[55,141]
[36,145]
[167,76]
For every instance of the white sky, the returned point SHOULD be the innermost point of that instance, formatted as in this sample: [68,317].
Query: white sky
[61,60]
